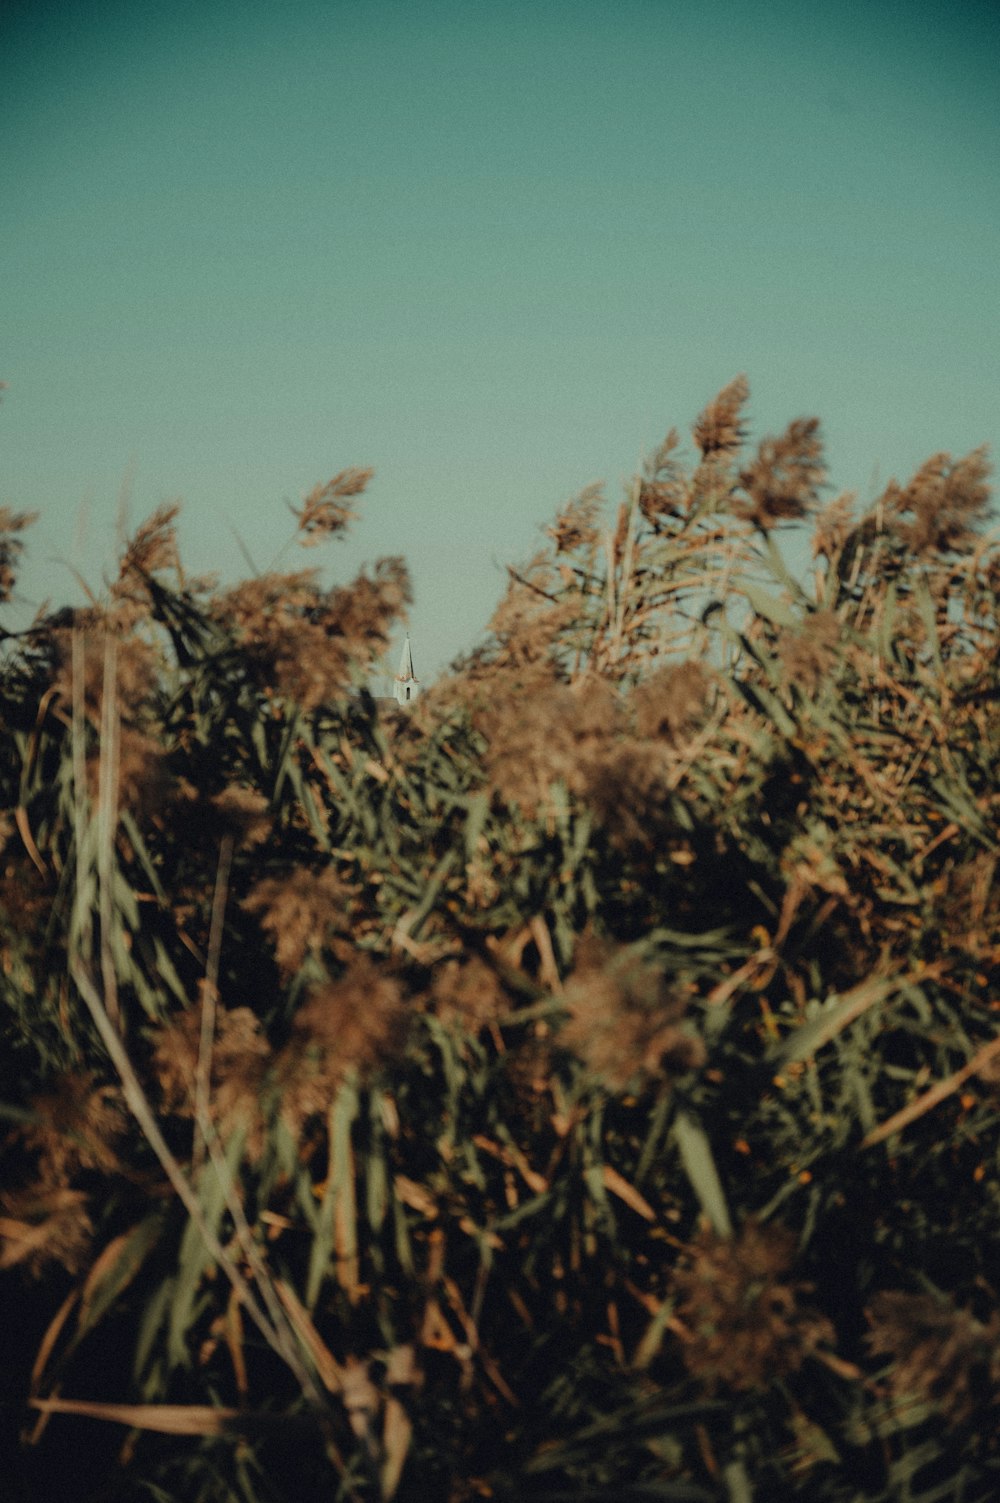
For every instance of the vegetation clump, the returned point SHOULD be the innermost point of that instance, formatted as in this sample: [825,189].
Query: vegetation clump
[584,1087]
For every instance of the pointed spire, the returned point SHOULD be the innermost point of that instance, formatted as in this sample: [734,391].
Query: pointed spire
[407,685]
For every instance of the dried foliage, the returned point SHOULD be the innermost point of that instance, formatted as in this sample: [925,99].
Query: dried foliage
[345,1027]
[302,911]
[585,1086]
[238,1071]
[12,524]
[323,513]
[745,1324]
[784,478]
[720,429]
[940,1354]
[623,1022]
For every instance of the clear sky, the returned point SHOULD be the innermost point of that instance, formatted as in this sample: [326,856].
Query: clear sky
[492,249]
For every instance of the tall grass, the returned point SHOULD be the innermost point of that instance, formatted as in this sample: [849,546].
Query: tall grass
[584,1087]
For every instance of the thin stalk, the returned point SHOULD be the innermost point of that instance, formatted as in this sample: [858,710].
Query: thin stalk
[141,1110]
[107,823]
[210,994]
[932,1098]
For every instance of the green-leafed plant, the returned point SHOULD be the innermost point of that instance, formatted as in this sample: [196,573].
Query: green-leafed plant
[585,1087]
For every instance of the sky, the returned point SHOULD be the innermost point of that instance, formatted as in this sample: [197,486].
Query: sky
[493,250]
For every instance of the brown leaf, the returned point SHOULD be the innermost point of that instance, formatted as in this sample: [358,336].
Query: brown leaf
[620,1186]
[165,1419]
[325,1363]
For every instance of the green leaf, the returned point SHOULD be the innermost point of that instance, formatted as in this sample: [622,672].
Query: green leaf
[777,611]
[699,1166]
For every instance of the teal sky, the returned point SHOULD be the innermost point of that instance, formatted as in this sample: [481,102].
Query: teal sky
[494,250]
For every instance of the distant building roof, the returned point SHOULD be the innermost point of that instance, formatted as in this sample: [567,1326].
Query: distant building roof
[407,685]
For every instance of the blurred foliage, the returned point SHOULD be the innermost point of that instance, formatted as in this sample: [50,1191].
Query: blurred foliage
[583,1087]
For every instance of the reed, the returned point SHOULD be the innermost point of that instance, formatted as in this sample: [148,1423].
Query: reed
[585,1088]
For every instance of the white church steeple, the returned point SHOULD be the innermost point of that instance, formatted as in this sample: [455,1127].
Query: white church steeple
[406,686]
